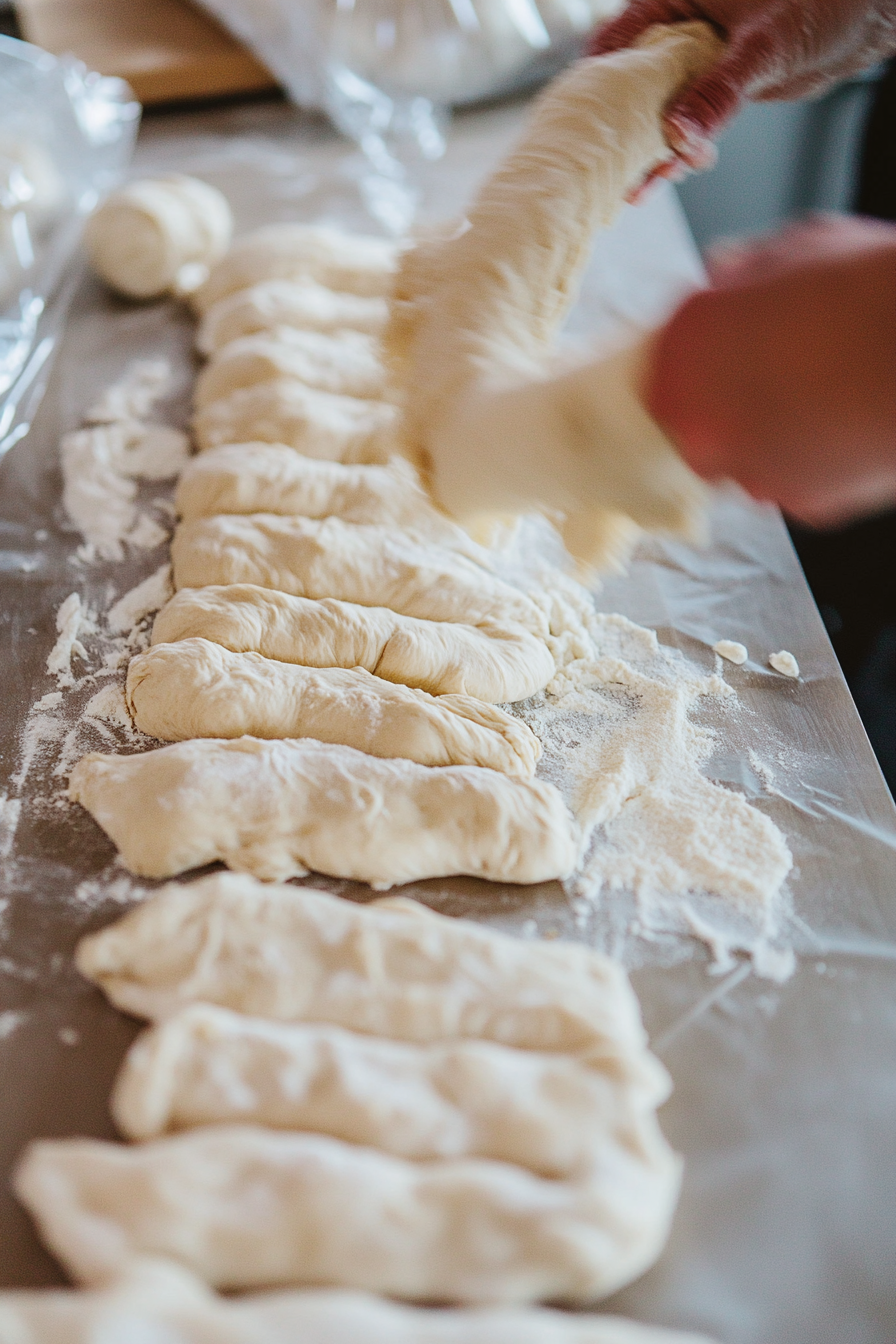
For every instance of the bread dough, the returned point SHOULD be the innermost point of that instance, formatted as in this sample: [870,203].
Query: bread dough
[278,809]
[731,650]
[316,423]
[158,1302]
[494,664]
[287,303]
[327,256]
[373,566]
[198,689]
[158,234]
[785,663]
[551,1114]
[347,362]
[392,968]
[475,315]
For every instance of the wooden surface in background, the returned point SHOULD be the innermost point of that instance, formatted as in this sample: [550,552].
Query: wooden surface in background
[167,50]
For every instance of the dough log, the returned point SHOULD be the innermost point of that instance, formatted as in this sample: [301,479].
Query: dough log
[347,363]
[198,689]
[279,809]
[491,663]
[287,303]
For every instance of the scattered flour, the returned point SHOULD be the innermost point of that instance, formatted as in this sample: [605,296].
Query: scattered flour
[785,663]
[11,1021]
[140,602]
[731,650]
[109,704]
[10,812]
[72,620]
[135,394]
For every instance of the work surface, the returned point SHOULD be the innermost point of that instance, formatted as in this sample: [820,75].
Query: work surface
[785,1094]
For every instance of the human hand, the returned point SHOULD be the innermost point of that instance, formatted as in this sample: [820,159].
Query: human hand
[776,49]
[782,375]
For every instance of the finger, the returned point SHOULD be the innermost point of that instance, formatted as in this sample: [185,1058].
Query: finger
[621,32]
[701,111]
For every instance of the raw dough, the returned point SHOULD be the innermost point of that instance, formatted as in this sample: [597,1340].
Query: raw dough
[346,362]
[495,664]
[158,234]
[287,303]
[316,423]
[278,809]
[785,663]
[475,315]
[731,650]
[198,689]
[393,968]
[374,566]
[246,1207]
[157,1302]
[327,256]
[552,1114]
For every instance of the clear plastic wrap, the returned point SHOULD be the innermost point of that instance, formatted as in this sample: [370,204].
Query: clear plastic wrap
[65,137]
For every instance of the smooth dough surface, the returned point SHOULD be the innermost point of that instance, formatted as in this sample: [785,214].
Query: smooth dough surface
[158,1302]
[393,968]
[493,663]
[346,362]
[278,809]
[319,424]
[373,566]
[248,1207]
[287,303]
[552,1114]
[342,261]
[195,688]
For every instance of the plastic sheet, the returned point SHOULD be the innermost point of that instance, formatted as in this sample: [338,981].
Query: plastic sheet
[784,1093]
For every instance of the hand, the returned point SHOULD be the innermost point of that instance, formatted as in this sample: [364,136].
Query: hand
[782,375]
[776,49]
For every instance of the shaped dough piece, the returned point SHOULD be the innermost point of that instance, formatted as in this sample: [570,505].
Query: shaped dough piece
[347,362]
[475,315]
[343,261]
[491,663]
[551,1114]
[392,968]
[287,303]
[373,566]
[319,424]
[198,689]
[245,1207]
[157,1302]
[278,809]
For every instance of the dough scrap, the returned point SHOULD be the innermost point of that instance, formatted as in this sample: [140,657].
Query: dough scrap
[287,303]
[319,424]
[495,664]
[393,968]
[785,663]
[373,566]
[158,1301]
[551,1114]
[247,1207]
[329,257]
[280,808]
[198,689]
[347,362]
[732,650]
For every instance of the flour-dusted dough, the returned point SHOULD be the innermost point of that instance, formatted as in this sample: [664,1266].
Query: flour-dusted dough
[392,968]
[346,362]
[319,424]
[278,809]
[247,1207]
[552,1114]
[198,689]
[373,566]
[343,261]
[493,663]
[475,315]
[287,303]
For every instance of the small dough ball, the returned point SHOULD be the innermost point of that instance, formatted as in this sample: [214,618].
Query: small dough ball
[732,651]
[785,663]
[158,235]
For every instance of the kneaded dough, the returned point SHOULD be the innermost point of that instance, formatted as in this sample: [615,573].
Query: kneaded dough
[247,1207]
[346,362]
[317,423]
[279,809]
[552,1114]
[329,257]
[157,1301]
[373,566]
[287,303]
[493,663]
[393,968]
[198,689]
